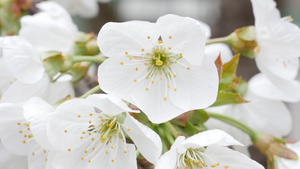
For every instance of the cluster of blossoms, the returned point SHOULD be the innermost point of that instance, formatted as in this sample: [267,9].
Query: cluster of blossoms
[166,90]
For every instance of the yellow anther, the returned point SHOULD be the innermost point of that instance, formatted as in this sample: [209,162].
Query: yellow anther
[146,57]
[81,137]
[147,89]
[160,78]
[126,53]
[102,119]
[156,49]
[175,89]
[90,134]
[121,63]
[112,147]
[217,164]
[25,135]
[155,73]
[19,123]
[125,151]
[135,80]
[115,135]
[92,139]
[148,76]
[168,86]
[160,42]
[130,58]
[148,37]
[82,158]
[89,161]
[174,75]
[45,151]
[112,160]
[170,37]
[45,159]
[212,166]
[91,114]
[145,64]
[128,129]
[203,164]
[110,141]
[168,73]
[33,153]
[66,131]
[162,50]
[85,151]
[226,166]
[291,18]
[188,68]
[163,55]
[175,62]
[106,152]
[69,149]
[169,48]
[78,115]
[142,49]
[93,148]
[108,136]
[136,69]
[152,81]
[28,128]
[169,57]
[20,131]
[180,54]
[165,98]
[83,132]
[24,142]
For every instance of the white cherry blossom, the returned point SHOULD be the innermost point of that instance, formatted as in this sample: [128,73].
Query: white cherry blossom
[278,46]
[92,132]
[205,150]
[160,67]
[10,160]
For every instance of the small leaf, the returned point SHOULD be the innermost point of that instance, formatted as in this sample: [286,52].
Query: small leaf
[229,72]
[219,65]
[227,97]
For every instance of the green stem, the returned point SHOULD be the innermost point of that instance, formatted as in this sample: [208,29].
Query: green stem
[172,129]
[168,135]
[217,40]
[96,59]
[92,91]
[235,123]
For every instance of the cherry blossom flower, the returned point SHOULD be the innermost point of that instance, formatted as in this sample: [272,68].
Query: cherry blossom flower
[160,67]
[50,29]
[206,150]
[278,47]
[290,164]
[91,133]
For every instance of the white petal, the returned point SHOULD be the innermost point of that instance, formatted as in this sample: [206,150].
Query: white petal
[187,34]
[58,90]
[36,111]
[141,135]
[233,159]
[114,39]
[66,124]
[22,59]
[53,28]
[9,160]
[214,50]
[37,158]
[210,137]
[168,160]
[108,103]
[6,77]
[275,88]
[265,11]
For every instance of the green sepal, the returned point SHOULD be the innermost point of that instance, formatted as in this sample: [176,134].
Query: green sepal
[248,53]
[247,33]
[228,76]
[53,62]
[85,45]
[228,97]
[78,71]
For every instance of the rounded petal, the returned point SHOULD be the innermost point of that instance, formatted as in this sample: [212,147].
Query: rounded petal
[265,11]
[22,60]
[108,103]
[52,27]
[114,39]
[168,160]
[214,50]
[210,137]
[67,124]
[141,135]
[187,35]
[9,160]
[276,88]
[36,111]
[37,158]
[231,158]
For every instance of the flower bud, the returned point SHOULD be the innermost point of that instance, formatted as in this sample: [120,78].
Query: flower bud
[85,44]
[243,41]
[273,148]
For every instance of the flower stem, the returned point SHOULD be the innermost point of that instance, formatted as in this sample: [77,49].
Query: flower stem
[97,59]
[217,40]
[172,129]
[168,135]
[235,123]
[92,91]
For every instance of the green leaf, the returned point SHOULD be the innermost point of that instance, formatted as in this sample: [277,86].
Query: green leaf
[228,97]
[228,77]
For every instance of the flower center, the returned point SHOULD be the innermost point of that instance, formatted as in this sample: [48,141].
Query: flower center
[197,159]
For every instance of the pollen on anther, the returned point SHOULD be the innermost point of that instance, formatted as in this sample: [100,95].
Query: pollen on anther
[90,134]
[46,159]
[125,151]
[90,122]
[170,37]
[169,48]
[128,129]
[112,147]
[91,114]
[174,75]
[126,53]
[93,148]
[148,37]
[66,131]
[152,81]
[130,58]
[82,158]
[121,63]
[147,89]
[83,132]
[19,123]
[155,73]
[145,64]
[142,49]
[112,160]
[123,140]
[85,151]
[226,166]
[69,149]
[20,131]
[165,98]
[175,89]
[25,135]
[106,152]
[135,80]
[24,142]
[168,86]
[78,116]
[175,62]
[188,68]
[136,69]
[33,153]
[89,161]
[180,54]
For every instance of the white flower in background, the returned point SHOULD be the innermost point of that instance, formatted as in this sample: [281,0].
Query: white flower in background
[50,29]
[30,78]
[160,67]
[290,164]
[214,50]
[91,133]
[82,8]
[22,130]
[206,150]
[10,160]
[261,114]
[278,40]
